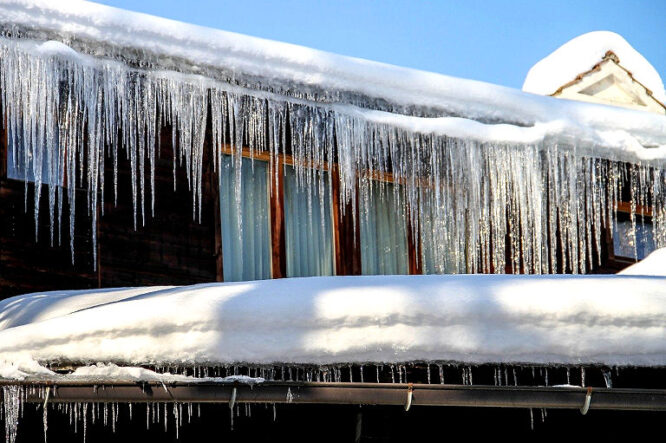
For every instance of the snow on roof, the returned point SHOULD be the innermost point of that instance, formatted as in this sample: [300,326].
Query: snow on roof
[610,320]
[178,44]
[580,54]
[653,264]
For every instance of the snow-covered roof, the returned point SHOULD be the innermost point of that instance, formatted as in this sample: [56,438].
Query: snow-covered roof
[581,54]
[472,319]
[101,30]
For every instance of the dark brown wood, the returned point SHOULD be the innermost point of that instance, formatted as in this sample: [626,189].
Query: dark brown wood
[413,248]
[212,187]
[645,211]
[278,242]
[346,233]
[30,265]
[171,248]
[98,262]
[3,150]
[340,267]
[215,196]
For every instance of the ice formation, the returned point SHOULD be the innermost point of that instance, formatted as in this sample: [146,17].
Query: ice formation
[465,193]
[581,54]
[530,192]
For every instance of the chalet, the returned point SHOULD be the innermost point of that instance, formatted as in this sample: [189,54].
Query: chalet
[162,158]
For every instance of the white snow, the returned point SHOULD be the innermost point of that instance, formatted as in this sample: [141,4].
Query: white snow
[28,369]
[564,319]
[581,54]
[282,62]
[654,264]
[491,166]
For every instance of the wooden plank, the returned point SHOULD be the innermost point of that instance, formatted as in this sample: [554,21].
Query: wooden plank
[346,233]
[413,248]
[278,242]
[28,264]
[325,166]
[212,188]
[172,247]
[645,211]
[4,142]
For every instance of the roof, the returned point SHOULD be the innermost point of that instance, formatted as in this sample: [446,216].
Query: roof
[581,55]
[466,319]
[302,73]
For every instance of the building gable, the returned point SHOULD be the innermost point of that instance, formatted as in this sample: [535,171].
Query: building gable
[608,82]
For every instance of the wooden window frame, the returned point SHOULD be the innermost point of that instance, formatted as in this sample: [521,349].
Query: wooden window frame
[618,262]
[346,233]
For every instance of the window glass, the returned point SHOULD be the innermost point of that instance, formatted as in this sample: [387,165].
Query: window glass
[383,232]
[21,164]
[631,243]
[308,225]
[246,245]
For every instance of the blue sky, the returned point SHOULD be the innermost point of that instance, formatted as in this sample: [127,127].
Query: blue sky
[494,41]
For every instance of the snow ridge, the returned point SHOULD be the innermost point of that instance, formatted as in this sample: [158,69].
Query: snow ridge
[467,319]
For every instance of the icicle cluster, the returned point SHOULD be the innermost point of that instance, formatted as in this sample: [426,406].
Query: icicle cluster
[475,206]
[172,415]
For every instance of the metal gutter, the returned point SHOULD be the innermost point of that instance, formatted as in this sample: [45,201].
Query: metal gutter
[408,395]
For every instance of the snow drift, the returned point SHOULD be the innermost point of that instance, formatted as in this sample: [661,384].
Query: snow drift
[472,319]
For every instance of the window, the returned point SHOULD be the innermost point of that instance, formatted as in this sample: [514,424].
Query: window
[21,165]
[290,225]
[632,242]
[245,223]
[383,231]
[308,225]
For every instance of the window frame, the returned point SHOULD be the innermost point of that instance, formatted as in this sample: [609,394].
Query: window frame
[624,207]
[346,232]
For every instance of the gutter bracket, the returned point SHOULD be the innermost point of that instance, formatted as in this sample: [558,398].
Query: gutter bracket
[588,399]
[410,391]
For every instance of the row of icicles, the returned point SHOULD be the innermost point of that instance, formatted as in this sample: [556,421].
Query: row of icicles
[474,206]
[83,414]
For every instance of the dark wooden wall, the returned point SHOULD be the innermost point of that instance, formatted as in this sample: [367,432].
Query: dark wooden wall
[28,264]
[170,249]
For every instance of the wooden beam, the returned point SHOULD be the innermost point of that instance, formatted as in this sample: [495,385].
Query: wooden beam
[645,211]
[325,166]
[278,243]
[413,248]
[346,234]
[213,188]
[3,150]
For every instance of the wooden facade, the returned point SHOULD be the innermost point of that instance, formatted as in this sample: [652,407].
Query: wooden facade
[171,248]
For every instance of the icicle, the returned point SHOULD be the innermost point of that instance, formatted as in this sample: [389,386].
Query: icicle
[45,418]
[84,412]
[535,206]
[12,404]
